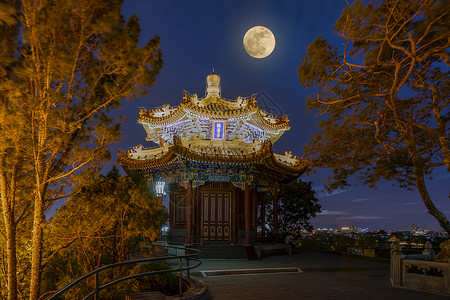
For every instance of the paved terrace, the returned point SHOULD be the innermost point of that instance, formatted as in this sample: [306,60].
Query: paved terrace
[325,276]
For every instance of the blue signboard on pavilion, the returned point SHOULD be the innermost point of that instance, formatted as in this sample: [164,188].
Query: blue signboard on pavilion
[219,130]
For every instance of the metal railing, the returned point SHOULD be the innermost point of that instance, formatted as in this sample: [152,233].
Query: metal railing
[188,254]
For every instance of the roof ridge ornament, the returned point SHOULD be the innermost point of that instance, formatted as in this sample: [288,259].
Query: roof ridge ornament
[213,84]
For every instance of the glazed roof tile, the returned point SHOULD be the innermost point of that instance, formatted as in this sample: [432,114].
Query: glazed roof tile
[211,154]
[213,107]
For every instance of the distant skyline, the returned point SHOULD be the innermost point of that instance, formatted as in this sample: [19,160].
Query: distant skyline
[197,36]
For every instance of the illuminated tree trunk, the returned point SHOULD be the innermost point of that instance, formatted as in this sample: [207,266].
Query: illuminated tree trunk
[432,209]
[7,199]
[36,254]
[37,235]
[419,179]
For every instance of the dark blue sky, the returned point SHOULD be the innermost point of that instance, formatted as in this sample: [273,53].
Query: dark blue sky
[197,36]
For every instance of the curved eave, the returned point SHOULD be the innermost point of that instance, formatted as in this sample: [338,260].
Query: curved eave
[293,170]
[147,116]
[281,124]
[177,150]
[167,158]
[184,108]
[250,158]
[216,102]
[264,157]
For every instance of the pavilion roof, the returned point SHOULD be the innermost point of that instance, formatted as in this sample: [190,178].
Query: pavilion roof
[231,154]
[213,130]
[194,116]
[212,107]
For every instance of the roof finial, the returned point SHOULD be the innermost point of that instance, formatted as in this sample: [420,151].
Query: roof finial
[213,71]
[213,84]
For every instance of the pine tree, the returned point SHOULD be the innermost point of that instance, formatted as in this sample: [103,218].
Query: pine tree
[71,64]
[383,96]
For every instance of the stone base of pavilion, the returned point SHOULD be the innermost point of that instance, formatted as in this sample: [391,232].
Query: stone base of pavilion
[234,251]
[240,251]
[272,249]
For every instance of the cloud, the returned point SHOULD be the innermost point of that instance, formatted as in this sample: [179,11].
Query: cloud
[327,212]
[322,193]
[404,204]
[360,199]
[361,218]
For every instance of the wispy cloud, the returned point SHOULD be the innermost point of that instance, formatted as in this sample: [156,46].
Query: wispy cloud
[403,204]
[322,193]
[361,218]
[360,199]
[327,212]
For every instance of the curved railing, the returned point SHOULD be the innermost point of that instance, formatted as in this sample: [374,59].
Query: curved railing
[189,254]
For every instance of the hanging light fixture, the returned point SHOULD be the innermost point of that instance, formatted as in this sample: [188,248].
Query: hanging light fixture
[159,188]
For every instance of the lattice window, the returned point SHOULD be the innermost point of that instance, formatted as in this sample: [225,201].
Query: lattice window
[205,207]
[227,208]
[213,209]
[219,207]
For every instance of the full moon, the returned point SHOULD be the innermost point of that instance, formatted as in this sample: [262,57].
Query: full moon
[259,42]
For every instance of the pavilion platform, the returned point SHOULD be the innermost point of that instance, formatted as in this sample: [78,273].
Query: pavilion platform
[323,276]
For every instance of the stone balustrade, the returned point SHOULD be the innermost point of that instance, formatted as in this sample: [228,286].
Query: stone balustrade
[420,273]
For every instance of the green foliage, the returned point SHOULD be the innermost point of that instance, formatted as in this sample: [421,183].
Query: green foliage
[104,223]
[296,206]
[383,96]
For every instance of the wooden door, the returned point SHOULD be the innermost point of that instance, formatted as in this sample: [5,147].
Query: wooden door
[216,216]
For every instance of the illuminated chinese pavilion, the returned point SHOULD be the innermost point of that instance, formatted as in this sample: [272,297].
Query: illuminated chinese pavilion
[215,156]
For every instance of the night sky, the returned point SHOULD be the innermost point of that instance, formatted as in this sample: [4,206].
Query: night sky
[197,36]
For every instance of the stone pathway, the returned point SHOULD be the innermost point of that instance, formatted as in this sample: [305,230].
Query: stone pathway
[325,276]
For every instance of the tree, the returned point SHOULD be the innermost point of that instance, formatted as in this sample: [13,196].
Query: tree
[68,64]
[15,161]
[296,206]
[104,223]
[383,96]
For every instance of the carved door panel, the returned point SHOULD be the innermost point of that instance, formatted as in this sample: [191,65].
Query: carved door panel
[216,216]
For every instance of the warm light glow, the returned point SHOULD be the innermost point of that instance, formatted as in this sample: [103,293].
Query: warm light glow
[259,42]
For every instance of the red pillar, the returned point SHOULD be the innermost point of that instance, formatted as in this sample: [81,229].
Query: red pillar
[234,209]
[189,213]
[263,215]
[255,209]
[275,215]
[160,231]
[247,214]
